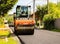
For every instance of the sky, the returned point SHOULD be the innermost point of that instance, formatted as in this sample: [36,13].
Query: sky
[30,2]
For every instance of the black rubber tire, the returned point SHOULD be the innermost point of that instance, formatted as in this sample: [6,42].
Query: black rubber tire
[32,32]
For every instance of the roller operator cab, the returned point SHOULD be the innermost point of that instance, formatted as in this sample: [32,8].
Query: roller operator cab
[23,23]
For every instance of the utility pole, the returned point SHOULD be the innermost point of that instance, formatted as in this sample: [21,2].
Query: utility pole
[48,6]
[0,1]
[34,9]
[58,1]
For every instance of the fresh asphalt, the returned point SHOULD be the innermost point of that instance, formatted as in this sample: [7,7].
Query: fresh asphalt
[40,37]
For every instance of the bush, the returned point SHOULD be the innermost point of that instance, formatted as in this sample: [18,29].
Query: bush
[49,20]
[2,22]
[49,24]
[9,18]
[37,24]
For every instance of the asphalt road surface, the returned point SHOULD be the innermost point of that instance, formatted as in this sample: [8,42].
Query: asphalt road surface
[40,37]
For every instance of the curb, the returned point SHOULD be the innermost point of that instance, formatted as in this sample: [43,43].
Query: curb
[15,37]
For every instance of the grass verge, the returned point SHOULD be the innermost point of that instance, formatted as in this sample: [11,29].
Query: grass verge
[55,30]
[11,40]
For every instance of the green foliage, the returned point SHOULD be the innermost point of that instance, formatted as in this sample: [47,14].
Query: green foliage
[6,5]
[49,19]
[53,9]
[9,18]
[41,11]
[51,16]
[37,24]
[55,30]
[1,21]
[58,4]
[5,32]
[11,40]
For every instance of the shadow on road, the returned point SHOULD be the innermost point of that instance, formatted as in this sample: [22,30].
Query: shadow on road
[20,40]
[13,35]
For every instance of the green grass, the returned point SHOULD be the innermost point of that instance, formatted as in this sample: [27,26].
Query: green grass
[4,32]
[10,41]
[55,30]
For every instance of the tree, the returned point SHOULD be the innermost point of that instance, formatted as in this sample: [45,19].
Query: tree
[48,6]
[41,11]
[6,5]
[58,4]
[49,19]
